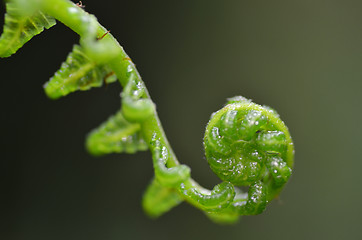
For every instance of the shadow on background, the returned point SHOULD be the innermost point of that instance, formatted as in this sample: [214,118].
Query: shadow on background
[303,58]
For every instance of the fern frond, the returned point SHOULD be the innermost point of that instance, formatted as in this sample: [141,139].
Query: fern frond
[20,27]
[116,135]
[78,72]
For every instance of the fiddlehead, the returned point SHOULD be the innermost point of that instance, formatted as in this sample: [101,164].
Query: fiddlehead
[245,144]
[249,145]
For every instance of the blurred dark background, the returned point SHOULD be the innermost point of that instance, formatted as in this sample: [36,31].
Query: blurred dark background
[303,58]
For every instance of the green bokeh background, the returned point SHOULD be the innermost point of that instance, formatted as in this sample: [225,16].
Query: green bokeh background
[303,58]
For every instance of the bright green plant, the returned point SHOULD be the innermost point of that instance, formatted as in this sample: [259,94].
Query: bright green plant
[245,144]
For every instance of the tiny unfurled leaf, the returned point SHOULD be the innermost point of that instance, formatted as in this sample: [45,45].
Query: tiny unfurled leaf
[159,199]
[116,135]
[78,72]
[20,27]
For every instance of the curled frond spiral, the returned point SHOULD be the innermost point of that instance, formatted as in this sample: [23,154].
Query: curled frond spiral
[246,143]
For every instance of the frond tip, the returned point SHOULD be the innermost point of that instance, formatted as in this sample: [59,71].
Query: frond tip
[78,72]
[20,27]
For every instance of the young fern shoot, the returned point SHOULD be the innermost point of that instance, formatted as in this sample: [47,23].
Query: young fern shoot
[246,144]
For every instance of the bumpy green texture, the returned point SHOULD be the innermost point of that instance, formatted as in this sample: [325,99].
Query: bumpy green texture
[20,26]
[246,144]
[78,72]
